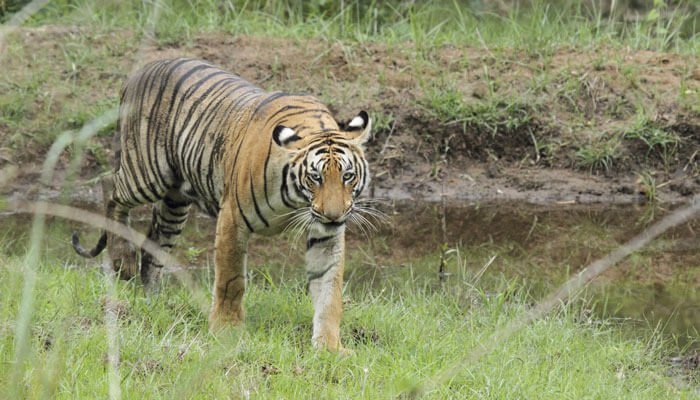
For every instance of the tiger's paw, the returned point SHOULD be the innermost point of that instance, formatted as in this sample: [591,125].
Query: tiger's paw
[219,321]
[127,267]
[124,259]
[345,352]
[331,343]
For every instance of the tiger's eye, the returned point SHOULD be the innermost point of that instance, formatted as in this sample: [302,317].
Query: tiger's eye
[315,177]
[348,176]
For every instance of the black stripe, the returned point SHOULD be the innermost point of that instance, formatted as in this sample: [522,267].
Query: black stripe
[208,116]
[134,180]
[218,144]
[270,98]
[255,203]
[170,118]
[177,214]
[314,241]
[333,223]
[305,112]
[216,90]
[175,204]
[281,110]
[178,123]
[166,220]
[315,275]
[227,285]
[297,190]
[240,210]
[267,160]
[284,190]
[323,142]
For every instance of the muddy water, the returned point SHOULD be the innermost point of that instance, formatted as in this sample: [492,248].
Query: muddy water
[537,247]
[542,246]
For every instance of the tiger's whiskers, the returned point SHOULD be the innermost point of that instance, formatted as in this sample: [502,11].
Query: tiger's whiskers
[299,222]
[366,217]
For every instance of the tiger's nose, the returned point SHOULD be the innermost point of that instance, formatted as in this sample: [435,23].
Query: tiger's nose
[329,215]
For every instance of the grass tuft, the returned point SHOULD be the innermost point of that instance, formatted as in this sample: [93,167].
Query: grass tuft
[659,142]
[599,155]
[489,115]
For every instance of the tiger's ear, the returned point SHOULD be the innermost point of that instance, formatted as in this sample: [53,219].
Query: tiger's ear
[284,136]
[359,128]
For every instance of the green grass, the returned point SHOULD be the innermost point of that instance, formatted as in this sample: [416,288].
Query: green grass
[400,335]
[599,154]
[648,186]
[659,142]
[537,26]
[38,103]
[488,116]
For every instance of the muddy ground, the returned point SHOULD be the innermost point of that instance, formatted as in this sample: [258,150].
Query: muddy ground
[542,109]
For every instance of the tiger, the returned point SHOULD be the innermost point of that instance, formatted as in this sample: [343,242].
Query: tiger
[257,161]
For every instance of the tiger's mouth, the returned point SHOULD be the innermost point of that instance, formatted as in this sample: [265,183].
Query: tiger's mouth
[328,222]
[332,224]
[328,225]
[328,228]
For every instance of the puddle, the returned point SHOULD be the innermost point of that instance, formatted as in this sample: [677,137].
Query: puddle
[535,245]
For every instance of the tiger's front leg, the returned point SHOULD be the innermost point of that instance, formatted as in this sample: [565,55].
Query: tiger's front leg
[229,272]
[325,263]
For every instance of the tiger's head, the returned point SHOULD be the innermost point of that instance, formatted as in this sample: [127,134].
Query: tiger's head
[327,170]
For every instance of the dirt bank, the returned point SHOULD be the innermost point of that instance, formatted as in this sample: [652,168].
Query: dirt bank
[477,124]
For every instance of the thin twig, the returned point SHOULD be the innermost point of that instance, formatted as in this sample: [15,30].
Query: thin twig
[112,328]
[386,142]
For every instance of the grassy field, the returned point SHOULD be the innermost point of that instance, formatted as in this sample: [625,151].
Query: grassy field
[94,338]
[567,84]
[89,336]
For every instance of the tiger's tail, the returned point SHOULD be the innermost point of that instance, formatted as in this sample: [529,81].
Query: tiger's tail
[101,244]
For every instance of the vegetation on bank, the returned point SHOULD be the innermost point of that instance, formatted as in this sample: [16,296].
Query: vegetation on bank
[531,24]
[565,84]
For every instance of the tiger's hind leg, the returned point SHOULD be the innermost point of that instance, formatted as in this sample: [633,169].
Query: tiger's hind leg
[169,217]
[121,251]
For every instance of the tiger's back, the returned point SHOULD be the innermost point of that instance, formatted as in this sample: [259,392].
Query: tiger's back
[176,117]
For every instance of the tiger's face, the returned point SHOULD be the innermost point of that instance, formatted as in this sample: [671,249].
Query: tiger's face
[328,172]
